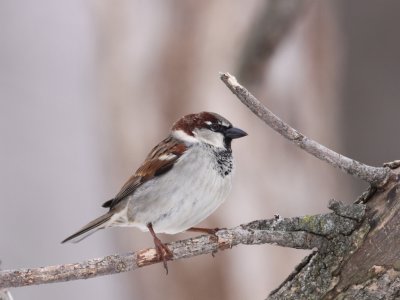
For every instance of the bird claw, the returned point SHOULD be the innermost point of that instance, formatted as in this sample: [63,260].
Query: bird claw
[163,253]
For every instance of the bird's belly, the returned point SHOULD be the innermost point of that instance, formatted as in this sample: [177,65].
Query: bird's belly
[173,207]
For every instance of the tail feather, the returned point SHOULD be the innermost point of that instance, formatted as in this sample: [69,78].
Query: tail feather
[89,228]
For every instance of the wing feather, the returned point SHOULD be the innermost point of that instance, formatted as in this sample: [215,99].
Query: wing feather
[160,160]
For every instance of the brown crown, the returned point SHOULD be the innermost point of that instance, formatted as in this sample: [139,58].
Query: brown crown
[189,122]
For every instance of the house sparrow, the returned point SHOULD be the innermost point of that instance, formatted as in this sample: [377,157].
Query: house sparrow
[181,182]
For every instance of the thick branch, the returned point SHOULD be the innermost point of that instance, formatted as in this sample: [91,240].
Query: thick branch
[376,176]
[361,265]
[300,232]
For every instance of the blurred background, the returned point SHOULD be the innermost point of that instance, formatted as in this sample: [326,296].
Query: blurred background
[87,88]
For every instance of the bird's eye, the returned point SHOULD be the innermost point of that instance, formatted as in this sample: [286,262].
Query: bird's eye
[215,127]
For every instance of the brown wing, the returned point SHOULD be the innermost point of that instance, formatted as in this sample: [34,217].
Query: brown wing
[160,160]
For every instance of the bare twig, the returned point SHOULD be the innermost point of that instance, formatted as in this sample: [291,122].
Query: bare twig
[376,176]
[300,232]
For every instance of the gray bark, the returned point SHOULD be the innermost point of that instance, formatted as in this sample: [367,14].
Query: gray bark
[299,232]
[306,232]
[362,265]
[374,175]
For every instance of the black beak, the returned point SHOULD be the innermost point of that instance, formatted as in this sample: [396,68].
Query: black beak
[234,133]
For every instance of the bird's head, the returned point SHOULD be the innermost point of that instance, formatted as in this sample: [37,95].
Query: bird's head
[206,127]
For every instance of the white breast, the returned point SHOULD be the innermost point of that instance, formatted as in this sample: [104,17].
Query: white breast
[182,197]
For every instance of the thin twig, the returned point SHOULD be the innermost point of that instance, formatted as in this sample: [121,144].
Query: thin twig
[376,176]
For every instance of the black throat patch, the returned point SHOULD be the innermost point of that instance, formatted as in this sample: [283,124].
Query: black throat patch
[224,161]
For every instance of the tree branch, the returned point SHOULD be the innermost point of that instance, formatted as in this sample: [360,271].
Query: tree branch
[376,176]
[361,265]
[300,232]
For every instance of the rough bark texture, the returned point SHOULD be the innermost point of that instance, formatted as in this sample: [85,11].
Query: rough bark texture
[362,265]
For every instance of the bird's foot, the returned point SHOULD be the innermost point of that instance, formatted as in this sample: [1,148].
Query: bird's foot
[163,252]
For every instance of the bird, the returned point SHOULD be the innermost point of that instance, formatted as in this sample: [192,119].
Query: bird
[183,180]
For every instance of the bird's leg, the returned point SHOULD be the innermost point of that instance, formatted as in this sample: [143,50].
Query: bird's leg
[210,231]
[162,250]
